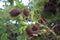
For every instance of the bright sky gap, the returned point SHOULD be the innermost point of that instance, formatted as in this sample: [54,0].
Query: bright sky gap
[25,2]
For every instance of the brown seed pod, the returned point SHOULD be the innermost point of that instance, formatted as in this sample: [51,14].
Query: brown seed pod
[35,27]
[29,31]
[14,12]
[25,12]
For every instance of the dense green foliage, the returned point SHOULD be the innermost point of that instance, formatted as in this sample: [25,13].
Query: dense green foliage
[14,27]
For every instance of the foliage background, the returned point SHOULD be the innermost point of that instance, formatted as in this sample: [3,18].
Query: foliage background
[35,10]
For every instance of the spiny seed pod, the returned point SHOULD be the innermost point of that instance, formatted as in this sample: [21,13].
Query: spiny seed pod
[35,27]
[15,12]
[25,12]
[29,31]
